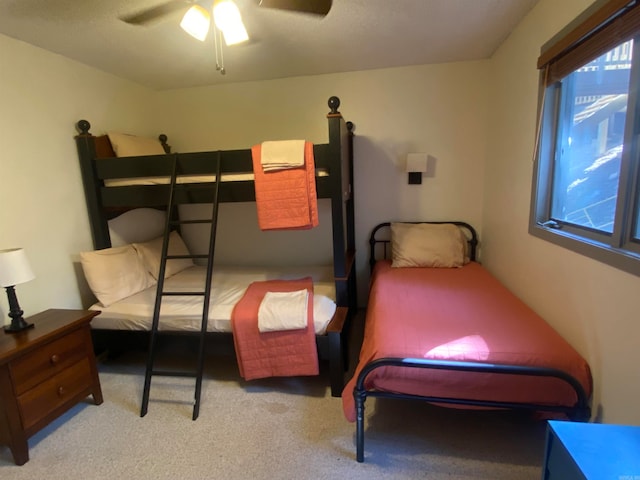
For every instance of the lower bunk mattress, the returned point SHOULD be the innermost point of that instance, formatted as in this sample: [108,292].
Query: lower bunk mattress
[184,313]
[460,314]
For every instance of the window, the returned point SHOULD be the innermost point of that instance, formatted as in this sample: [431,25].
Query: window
[587,172]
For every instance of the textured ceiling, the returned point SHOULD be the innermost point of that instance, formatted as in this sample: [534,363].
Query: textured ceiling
[355,35]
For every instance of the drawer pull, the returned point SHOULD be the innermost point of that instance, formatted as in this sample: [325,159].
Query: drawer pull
[61,391]
[55,358]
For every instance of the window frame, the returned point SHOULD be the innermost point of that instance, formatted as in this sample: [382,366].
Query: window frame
[583,40]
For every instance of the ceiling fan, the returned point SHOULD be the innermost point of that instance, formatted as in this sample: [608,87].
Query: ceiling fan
[196,19]
[313,7]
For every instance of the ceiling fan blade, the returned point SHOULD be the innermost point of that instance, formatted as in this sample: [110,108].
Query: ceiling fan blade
[155,13]
[316,7]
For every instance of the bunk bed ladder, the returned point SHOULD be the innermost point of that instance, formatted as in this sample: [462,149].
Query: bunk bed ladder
[160,292]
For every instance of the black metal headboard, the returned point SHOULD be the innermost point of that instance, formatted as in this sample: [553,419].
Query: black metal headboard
[383,240]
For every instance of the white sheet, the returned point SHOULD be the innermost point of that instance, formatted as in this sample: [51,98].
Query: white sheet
[226,177]
[229,284]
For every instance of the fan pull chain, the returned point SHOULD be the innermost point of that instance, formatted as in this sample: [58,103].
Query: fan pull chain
[222,70]
[217,45]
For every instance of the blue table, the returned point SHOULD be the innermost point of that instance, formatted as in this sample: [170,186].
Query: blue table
[591,451]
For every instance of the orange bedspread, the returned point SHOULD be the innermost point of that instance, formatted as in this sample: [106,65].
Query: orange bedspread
[273,354]
[286,199]
[460,314]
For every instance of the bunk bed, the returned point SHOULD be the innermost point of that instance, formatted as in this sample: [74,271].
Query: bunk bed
[115,185]
[440,328]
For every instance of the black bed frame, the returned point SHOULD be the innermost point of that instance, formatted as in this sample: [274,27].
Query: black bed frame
[98,163]
[379,248]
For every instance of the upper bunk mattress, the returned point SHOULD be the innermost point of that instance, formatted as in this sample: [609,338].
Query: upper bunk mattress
[184,179]
[184,313]
[460,314]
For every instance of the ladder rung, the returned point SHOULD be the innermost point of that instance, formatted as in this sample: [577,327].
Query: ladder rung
[185,222]
[169,257]
[175,294]
[194,186]
[169,373]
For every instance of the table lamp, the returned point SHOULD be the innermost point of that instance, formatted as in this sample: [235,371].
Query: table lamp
[14,270]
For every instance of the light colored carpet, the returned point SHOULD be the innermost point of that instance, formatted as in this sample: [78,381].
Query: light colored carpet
[271,429]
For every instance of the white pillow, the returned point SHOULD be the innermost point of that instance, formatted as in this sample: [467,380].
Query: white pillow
[137,225]
[427,245]
[151,252]
[115,273]
[125,145]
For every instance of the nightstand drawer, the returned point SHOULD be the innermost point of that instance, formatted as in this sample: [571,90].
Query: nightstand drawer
[33,368]
[38,402]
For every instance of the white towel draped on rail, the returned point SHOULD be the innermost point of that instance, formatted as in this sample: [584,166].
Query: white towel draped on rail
[283,311]
[278,155]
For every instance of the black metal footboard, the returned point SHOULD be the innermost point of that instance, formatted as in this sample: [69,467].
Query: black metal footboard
[581,411]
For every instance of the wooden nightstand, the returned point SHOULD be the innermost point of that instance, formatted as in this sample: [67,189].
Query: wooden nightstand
[44,371]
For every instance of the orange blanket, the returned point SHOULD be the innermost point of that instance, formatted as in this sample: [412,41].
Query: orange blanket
[460,314]
[273,354]
[286,199]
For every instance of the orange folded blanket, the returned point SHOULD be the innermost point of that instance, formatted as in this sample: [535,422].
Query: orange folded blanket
[286,199]
[273,354]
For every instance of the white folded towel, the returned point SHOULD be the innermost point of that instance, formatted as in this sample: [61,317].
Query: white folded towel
[283,311]
[323,307]
[282,154]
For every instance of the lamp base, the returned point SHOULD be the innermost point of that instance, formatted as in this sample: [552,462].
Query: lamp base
[17,325]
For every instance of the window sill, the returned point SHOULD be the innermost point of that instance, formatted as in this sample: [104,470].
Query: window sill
[615,257]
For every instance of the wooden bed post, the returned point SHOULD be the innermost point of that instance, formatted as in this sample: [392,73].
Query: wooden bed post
[351,231]
[342,219]
[341,201]
[97,218]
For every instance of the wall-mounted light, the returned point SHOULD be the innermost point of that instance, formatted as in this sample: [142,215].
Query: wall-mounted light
[416,166]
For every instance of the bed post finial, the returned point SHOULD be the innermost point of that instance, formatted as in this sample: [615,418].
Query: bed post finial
[163,140]
[83,127]
[351,127]
[334,103]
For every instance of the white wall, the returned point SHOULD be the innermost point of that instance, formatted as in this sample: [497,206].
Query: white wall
[438,109]
[42,206]
[591,304]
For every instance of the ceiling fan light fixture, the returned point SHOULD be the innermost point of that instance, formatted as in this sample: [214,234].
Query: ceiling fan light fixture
[228,19]
[196,22]
[235,34]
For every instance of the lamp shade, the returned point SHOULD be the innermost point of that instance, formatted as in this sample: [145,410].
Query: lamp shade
[416,162]
[14,267]
[196,22]
[228,19]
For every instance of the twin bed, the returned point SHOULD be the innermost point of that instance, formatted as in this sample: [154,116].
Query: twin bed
[124,175]
[440,328]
